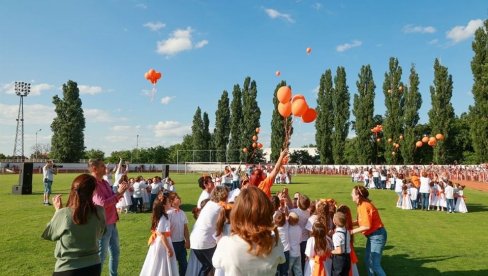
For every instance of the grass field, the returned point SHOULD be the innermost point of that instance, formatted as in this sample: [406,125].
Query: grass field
[419,243]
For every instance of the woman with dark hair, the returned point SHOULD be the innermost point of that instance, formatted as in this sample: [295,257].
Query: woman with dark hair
[254,246]
[369,223]
[76,229]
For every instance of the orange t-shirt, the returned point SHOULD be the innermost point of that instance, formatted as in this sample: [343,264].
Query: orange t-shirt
[415,181]
[368,216]
[265,186]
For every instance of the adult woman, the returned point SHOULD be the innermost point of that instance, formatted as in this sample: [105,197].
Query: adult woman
[254,247]
[369,223]
[77,229]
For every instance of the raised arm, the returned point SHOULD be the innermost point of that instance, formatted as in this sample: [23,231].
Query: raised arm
[278,164]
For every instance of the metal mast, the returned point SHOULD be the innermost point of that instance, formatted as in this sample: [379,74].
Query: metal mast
[22,89]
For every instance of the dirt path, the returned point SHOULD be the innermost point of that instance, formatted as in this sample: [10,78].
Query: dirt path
[474,185]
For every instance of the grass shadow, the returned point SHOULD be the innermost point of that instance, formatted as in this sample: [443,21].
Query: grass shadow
[187,207]
[474,208]
[403,264]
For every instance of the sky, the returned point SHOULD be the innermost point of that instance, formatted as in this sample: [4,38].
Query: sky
[205,47]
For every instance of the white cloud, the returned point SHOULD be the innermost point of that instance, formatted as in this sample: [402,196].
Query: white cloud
[346,46]
[170,129]
[272,13]
[408,29]
[90,90]
[121,128]
[179,41]
[201,44]
[460,33]
[33,114]
[154,26]
[36,89]
[433,41]
[317,6]
[99,116]
[166,99]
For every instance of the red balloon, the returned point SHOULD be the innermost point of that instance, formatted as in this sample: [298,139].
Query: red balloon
[260,145]
[309,116]
[299,107]
[284,94]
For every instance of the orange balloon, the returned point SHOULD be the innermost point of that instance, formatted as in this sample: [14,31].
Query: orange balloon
[400,88]
[309,116]
[425,139]
[389,140]
[378,140]
[284,109]
[278,73]
[393,153]
[432,139]
[432,142]
[401,137]
[298,107]
[439,137]
[244,150]
[254,145]
[296,97]
[397,145]
[254,138]
[284,94]
[309,50]
[419,144]
[257,130]
[260,145]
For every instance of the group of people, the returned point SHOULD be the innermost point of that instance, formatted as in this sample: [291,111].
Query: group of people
[239,230]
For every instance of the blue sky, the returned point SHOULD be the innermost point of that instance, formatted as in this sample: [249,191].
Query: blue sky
[205,47]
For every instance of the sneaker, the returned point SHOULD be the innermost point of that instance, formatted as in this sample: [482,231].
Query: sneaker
[49,203]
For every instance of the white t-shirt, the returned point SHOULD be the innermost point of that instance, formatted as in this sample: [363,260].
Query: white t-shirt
[233,257]
[398,185]
[177,219]
[138,189]
[203,234]
[339,241]
[204,195]
[449,192]
[284,236]
[413,193]
[156,187]
[48,173]
[302,221]
[294,237]
[424,185]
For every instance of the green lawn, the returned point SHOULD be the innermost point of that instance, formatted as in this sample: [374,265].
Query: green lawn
[419,243]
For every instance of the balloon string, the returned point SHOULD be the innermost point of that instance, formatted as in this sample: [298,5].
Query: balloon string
[153,92]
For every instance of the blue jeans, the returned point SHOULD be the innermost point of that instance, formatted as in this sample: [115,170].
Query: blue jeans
[296,266]
[374,250]
[110,241]
[47,186]
[283,268]
[425,200]
[450,205]
[376,181]
[180,254]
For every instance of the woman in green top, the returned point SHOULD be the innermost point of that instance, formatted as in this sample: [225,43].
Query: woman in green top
[76,230]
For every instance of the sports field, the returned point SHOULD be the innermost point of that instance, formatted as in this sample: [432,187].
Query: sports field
[419,243]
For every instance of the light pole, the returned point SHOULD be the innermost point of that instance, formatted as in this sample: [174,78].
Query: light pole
[37,149]
[22,89]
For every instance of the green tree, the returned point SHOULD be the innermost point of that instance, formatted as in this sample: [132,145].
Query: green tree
[94,154]
[479,111]
[251,114]
[278,127]
[325,118]
[413,102]
[198,136]
[236,121]
[363,110]
[460,143]
[207,138]
[303,157]
[68,140]
[340,105]
[441,113]
[222,127]
[392,126]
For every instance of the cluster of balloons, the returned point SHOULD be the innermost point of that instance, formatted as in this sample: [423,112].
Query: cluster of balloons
[431,141]
[296,105]
[152,76]
[255,143]
[400,89]
[377,129]
[396,145]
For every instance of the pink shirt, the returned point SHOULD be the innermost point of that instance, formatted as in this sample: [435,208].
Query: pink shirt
[105,197]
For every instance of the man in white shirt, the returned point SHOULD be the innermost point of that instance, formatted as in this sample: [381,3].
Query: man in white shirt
[138,187]
[48,173]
